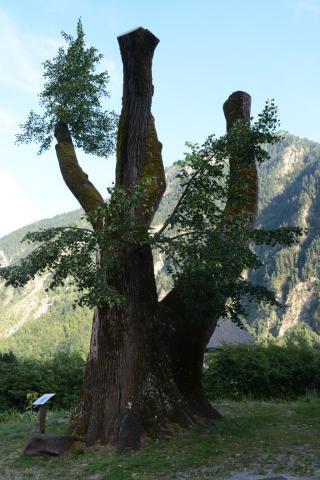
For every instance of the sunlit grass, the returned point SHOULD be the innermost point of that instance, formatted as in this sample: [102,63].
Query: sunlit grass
[260,437]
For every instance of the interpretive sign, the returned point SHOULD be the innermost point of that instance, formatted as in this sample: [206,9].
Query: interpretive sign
[42,400]
[42,409]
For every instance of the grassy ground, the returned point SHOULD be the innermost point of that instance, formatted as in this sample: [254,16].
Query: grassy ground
[258,437]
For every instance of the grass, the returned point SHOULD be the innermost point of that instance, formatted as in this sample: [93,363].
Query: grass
[258,437]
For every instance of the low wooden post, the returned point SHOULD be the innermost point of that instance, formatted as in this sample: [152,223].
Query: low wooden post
[42,418]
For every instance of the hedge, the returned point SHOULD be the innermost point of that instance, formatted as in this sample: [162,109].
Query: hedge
[261,372]
[237,372]
[61,375]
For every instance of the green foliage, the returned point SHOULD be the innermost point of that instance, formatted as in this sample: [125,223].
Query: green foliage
[30,398]
[72,95]
[261,372]
[240,372]
[61,374]
[13,247]
[9,416]
[300,335]
[57,243]
[283,266]
[7,357]
[90,258]
[289,194]
[63,328]
[206,252]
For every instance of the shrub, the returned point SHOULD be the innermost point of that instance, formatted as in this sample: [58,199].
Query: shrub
[261,372]
[61,375]
[235,372]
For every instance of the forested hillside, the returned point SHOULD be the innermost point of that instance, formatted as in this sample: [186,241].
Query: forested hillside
[36,322]
[290,195]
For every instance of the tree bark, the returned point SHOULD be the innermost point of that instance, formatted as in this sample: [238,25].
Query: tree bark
[243,184]
[187,339]
[128,391]
[139,157]
[75,178]
[144,368]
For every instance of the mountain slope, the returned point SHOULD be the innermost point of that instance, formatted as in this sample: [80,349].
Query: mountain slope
[290,195]
[33,322]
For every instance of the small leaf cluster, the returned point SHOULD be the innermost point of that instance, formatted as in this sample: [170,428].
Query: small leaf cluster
[60,251]
[244,141]
[72,94]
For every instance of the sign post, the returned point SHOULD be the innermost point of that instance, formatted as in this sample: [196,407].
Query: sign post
[41,402]
[42,418]
[43,443]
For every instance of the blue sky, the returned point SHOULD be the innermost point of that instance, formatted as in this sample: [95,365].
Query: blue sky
[207,50]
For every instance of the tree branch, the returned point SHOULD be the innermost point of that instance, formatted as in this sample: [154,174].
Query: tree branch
[180,235]
[176,208]
[75,178]
[243,185]
[139,157]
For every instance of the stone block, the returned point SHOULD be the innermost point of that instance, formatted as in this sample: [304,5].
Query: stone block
[45,444]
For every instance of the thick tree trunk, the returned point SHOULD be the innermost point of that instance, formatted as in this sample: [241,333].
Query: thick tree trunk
[145,364]
[128,390]
[139,157]
[187,338]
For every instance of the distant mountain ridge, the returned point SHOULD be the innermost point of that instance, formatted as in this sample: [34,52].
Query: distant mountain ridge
[34,322]
[290,195]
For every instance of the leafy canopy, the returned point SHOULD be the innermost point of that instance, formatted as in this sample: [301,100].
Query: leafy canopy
[206,252]
[90,258]
[72,94]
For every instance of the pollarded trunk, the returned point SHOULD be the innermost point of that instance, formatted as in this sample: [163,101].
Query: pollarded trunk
[243,184]
[135,383]
[128,391]
[186,340]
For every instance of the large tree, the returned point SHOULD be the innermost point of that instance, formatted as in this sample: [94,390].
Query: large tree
[143,373]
